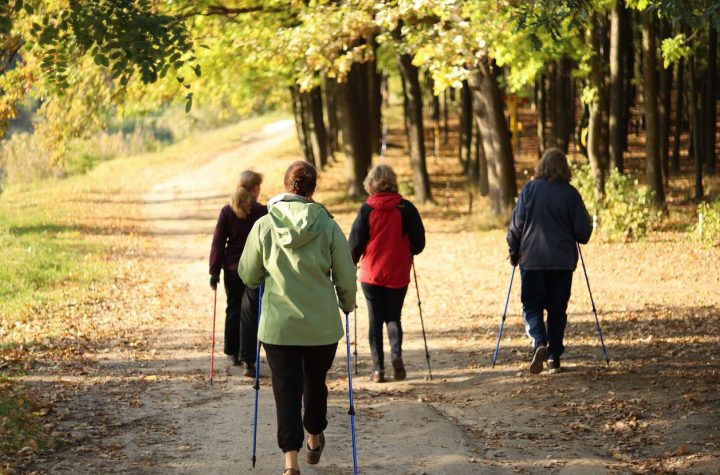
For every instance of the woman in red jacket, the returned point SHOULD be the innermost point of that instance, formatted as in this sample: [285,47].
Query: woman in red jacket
[232,229]
[387,232]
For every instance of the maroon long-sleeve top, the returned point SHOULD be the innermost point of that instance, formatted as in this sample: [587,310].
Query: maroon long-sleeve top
[229,238]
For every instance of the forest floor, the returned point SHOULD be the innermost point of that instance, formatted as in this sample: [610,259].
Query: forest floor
[129,391]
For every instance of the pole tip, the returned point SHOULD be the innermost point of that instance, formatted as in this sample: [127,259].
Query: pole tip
[253,461]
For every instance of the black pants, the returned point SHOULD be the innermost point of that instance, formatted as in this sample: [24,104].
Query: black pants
[546,290]
[240,318]
[298,378]
[384,307]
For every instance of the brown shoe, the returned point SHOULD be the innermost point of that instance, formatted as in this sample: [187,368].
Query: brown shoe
[378,376]
[313,455]
[291,471]
[399,370]
[249,370]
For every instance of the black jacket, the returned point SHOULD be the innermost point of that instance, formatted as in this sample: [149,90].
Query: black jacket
[547,223]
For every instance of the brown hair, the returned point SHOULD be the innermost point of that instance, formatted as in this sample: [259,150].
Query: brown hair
[381,178]
[553,167]
[242,199]
[300,178]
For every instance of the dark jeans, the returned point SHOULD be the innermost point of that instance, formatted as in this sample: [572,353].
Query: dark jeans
[384,307]
[546,290]
[298,378]
[240,318]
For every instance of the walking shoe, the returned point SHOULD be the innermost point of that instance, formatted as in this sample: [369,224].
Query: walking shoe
[233,360]
[554,365]
[249,370]
[399,369]
[378,376]
[313,455]
[291,471]
[538,361]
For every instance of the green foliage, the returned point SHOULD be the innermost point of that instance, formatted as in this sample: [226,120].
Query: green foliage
[674,49]
[710,230]
[626,212]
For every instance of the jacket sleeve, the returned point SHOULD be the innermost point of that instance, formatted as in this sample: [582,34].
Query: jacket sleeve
[517,224]
[252,267]
[582,224]
[413,227]
[360,233]
[343,270]
[217,250]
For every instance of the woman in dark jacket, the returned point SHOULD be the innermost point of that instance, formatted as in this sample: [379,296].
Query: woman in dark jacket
[549,220]
[231,231]
[387,233]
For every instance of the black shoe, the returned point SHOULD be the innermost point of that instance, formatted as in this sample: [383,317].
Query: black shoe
[313,455]
[554,365]
[378,376]
[538,361]
[233,360]
[398,369]
[249,371]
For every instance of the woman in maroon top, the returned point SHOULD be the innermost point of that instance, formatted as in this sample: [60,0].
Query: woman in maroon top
[233,226]
[386,234]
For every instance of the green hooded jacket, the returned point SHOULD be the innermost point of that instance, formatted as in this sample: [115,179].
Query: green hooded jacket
[301,256]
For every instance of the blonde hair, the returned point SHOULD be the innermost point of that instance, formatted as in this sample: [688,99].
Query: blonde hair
[381,178]
[242,199]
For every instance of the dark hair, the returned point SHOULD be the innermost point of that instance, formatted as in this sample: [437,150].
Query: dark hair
[553,166]
[300,178]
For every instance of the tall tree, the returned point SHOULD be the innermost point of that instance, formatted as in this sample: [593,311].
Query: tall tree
[596,81]
[710,101]
[617,73]
[665,106]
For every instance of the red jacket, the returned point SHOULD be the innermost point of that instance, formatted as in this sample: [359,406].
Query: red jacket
[387,232]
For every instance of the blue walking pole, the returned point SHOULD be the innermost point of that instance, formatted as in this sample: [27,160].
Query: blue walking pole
[351,411]
[256,386]
[592,301]
[502,323]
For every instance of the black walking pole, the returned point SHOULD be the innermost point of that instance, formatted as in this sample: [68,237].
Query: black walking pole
[351,409]
[256,386]
[422,324]
[592,301]
[355,344]
[502,323]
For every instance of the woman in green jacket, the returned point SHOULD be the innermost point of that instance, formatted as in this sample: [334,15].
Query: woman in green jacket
[302,258]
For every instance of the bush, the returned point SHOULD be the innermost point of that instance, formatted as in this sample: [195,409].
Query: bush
[710,230]
[626,213]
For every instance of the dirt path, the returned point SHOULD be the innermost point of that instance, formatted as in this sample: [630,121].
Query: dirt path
[654,409]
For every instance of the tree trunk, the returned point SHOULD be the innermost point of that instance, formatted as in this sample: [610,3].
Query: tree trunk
[542,113]
[595,118]
[446,127]
[374,101]
[695,134]
[354,120]
[709,104]
[318,134]
[466,126]
[414,127]
[301,125]
[615,122]
[665,106]
[561,103]
[435,114]
[650,96]
[629,76]
[482,164]
[333,128]
[488,110]
[679,107]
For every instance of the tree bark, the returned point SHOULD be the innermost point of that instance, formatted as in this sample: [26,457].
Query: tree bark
[617,72]
[354,120]
[709,103]
[414,127]
[650,96]
[541,102]
[466,126]
[483,184]
[629,76]
[374,101]
[679,107]
[301,126]
[488,110]
[665,106]
[561,103]
[318,134]
[594,38]
[333,128]
[695,129]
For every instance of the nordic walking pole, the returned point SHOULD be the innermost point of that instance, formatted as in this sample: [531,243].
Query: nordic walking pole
[351,410]
[422,325]
[256,386]
[212,350]
[355,339]
[592,301]
[502,322]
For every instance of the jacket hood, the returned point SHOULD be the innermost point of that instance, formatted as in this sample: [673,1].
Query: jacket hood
[296,220]
[384,200]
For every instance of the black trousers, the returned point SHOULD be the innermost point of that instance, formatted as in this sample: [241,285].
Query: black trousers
[384,307]
[298,378]
[240,318]
[546,290]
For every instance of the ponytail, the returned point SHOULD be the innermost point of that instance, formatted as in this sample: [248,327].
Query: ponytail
[242,200]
